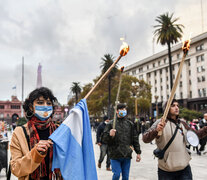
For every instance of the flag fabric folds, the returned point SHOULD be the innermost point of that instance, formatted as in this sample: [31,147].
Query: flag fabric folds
[14,87]
[73,148]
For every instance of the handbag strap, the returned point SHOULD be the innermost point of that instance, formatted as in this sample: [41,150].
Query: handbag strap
[171,139]
[26,135]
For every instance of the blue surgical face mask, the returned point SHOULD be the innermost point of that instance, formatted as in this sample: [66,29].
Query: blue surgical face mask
[43,112]
[122,113]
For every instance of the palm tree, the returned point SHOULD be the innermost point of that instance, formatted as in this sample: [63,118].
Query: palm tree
[76,89]
[107,61]
[168,32]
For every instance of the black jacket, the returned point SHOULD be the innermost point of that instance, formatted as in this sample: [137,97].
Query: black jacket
[126,136]
[100,131]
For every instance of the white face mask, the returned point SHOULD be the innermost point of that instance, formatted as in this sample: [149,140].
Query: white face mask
[43,112]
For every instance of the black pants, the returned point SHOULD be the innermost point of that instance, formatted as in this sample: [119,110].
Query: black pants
[104,152]
[184,174]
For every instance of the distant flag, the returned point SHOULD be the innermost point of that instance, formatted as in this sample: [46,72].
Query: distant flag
[14,87]
[73,148]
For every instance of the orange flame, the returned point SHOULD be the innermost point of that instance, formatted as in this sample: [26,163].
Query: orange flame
[124,49]
[122,69]
[186,46]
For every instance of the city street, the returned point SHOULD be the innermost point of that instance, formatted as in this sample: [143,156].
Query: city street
[147,168]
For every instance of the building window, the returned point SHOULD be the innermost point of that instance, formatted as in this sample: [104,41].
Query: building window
[160,71]
[199,47]
[1,106]
[150,82]
[200,69]
[161,88]
[200,58]
[149,75]
[141,77]
[155,73]
[133,72]
[141,69]
[189,81]
[167,86]
[155,81]
[166,69]
[7,115]
[165,60]
[189,63]
[158,63]
[173,76]
[168,96]
[155,89]
[178,56]
[190,94]
[153,64]
[181,84]
[189,72]
[15,107]
[166,78]
[173,67]
[198,79]
[203,78]
[181,95]
[1,115]
[199,92]
[160,79]
[161,98]
[147,67]
[204,92]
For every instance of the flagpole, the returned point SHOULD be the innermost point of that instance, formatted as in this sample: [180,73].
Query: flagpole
[22,87]
[117,98]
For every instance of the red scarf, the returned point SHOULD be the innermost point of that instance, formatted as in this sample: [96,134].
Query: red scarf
[33,124]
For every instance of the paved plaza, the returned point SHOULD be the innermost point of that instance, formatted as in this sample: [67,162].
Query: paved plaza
[147,168]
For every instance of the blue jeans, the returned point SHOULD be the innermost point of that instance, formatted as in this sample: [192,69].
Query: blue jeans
[119,166]
[184,174]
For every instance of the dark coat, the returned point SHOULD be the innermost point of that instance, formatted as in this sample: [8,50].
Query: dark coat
[126,138]
[100,131]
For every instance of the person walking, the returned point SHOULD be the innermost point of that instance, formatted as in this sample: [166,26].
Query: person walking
[31,151]
[174,164]
[103,146]
[121,140]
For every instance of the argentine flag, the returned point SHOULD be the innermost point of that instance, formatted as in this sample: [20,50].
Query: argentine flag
[73,148]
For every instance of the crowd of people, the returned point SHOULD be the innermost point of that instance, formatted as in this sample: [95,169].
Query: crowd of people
[32,152]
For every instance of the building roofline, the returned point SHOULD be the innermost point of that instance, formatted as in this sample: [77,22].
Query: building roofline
[165,52]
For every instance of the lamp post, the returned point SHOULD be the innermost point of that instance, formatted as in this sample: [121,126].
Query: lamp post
[156,98]
[135,85]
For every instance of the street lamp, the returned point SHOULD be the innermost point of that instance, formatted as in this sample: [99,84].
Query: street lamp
[135,85]
[156,98]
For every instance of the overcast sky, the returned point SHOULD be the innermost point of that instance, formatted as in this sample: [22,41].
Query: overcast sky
[69,38]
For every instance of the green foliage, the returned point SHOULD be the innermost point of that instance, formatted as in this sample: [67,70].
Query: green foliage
[97,101]
[189,115]
[167,31]
[21,121]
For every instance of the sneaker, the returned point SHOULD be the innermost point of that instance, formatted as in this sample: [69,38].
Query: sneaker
[108,169]
[99,165]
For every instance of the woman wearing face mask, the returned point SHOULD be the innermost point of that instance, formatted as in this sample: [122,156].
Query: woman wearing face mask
[31,151]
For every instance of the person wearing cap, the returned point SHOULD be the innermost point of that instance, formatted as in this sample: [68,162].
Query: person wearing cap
[121,140]
[175,163]
[103,146]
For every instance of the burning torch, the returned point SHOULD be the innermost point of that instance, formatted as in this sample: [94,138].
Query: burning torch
[123,51]
[185,48]
[117,96]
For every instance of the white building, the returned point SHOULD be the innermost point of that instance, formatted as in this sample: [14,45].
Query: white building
[191,91]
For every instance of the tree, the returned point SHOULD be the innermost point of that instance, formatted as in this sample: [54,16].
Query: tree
[76,89]
[107,61]
[167,32]
[189,115]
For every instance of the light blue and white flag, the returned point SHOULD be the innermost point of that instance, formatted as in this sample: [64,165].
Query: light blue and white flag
[73,148]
